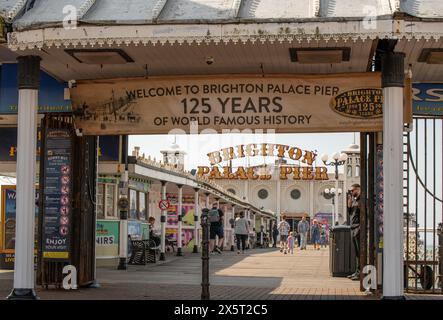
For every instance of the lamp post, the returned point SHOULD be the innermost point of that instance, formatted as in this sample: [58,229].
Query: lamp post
[334,192]
[337,160]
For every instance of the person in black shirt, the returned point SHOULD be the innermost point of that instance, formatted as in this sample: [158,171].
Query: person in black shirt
[354,216]
[215,217]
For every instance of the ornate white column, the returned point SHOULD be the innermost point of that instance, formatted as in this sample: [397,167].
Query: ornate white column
[393,83]
[196,209]
[28,85]
[163,225]
[180,209]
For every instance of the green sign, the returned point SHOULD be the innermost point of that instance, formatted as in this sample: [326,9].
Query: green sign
[107,238]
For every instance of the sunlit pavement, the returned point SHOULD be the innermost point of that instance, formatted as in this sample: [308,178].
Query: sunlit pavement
[260,274]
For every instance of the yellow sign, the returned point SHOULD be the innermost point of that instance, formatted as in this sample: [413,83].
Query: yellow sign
[284,103]
[56,255]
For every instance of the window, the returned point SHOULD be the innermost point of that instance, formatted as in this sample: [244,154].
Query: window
[106,201]
[142,205]
[349,171]
[357,171]
[263,194]
[132,204]
[100,201]
[295,194]
[110,197]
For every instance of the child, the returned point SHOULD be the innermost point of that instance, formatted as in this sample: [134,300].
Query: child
[291,242]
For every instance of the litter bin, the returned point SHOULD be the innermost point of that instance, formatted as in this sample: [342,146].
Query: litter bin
[341,252]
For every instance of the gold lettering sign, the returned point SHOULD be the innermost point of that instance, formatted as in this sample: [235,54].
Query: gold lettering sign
[363,103]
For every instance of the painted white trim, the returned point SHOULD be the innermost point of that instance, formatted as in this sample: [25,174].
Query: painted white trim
[191,34]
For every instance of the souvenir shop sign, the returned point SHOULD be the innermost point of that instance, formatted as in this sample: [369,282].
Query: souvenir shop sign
[427,99]
[285,103]
[57,201]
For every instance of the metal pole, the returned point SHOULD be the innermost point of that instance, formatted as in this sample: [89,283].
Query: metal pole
[123,193]
[205,255]
[180,208]
[196,205]
[28,83]
[163,226]
[232,228]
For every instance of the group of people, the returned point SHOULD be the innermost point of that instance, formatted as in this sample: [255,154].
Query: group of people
[288,238]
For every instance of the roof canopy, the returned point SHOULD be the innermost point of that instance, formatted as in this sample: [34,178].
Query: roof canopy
[50,13]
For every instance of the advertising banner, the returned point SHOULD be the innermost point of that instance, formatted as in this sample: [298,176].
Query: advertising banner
[51,96]
[57,206]
[427,99]
[107,239]
[108,145]
[285,103]
[7,228]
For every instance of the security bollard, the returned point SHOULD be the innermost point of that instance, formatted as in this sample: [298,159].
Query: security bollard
[205,254]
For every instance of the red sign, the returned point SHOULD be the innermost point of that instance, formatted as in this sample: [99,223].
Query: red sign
[163,204]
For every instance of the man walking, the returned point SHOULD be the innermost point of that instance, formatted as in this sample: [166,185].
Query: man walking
[302,229]
[215,217]
[283,228]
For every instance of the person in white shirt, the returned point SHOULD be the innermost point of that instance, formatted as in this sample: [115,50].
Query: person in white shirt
[241,229]
[283,228]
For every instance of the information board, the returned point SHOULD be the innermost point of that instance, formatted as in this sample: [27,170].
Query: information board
[57,213]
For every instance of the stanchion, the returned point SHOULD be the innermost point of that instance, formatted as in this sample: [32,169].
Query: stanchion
[205,254]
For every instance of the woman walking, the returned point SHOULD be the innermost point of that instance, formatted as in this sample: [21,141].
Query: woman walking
[241,229]
[315,235]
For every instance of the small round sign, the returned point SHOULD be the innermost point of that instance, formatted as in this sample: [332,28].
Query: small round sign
[123,203]
[163,204]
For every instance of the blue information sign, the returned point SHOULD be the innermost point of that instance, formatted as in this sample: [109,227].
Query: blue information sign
[51,97]
[427,99]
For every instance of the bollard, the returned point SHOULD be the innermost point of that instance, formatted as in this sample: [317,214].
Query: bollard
[205,254]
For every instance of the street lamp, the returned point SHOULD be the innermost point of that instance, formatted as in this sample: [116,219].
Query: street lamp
[338,159]
[333,192]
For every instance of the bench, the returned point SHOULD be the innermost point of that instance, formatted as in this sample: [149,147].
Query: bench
[143,252]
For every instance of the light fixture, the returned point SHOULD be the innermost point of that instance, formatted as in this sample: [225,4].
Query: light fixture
[431,56]
[324,157]
[336,156]
[327,191]
[333,190]
[319,55]
[343,157]
[100,56]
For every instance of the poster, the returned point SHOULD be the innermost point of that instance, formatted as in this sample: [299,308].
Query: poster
[107,239]
[302,103]
[57,206]
[8,219]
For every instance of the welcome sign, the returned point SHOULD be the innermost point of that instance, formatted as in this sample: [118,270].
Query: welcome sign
[285,103]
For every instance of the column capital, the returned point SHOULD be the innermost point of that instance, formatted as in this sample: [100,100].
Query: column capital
[163,183]
[28,74]
[179,186]
[196,189]
[393,69]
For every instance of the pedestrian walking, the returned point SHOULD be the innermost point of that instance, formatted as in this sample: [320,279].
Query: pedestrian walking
[241,229]
[283,229]
[291,242]
[315,235]
[274,235]
[323,240]
[302,229]
[215,217]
